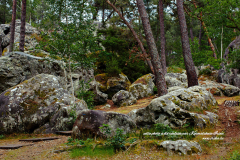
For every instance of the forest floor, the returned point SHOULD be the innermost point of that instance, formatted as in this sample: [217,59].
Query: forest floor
[212,149]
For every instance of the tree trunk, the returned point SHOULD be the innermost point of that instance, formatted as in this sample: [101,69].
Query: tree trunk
[12,26]
[231,45]
[163,40]
[191,72]
[22,30]
[135,36]
[159,74]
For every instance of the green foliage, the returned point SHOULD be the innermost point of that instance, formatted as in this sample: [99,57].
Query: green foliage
[2,136]
[117,141]
[235,156]
[121,54]
[73,115]
[206,72]
[174,69]
[234,58]
[203,57]
[112,67]
[72,142]
[85,94]
[89,152]
[106,130]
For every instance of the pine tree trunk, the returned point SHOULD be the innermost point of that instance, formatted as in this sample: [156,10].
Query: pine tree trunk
[162,34]
[191,72]
[22,30]
[12,30]
[135,36]
[159,74]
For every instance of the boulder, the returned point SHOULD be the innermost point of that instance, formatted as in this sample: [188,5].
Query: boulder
[220,88]
[115,84]
[31,35]
[39,104]
[171,109]
[123,98]
[182,147]
[143,86]
[100,97]
[89,121]
[232,78]
[19,66]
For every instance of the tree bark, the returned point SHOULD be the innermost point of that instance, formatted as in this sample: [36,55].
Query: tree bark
[231,45]
[162,34]
[12,30]
[22,29]
[135,36]
[159,74]
[191,72]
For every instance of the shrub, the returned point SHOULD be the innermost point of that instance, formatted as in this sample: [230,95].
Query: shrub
[235,156]
[85,94]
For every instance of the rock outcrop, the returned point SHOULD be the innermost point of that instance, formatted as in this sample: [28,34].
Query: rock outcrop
[220,89]
[143,86]
[182,147]
[39,105]
[174,109]
[89,121]
[123,98]
[19,66]
[31,35]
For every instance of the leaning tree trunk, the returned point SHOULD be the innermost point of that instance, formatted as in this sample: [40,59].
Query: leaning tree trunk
[159,74]
[135,36]
[12,26]
[191,72]
[162,34]
[22,30]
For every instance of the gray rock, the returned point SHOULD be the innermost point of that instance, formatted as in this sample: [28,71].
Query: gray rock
[89,121]
[30,33]
[220,88]
[181,146]
[39,104]
[100,97]
[123,98]
[115,84]
[171,109]
[143,86]
[19,66]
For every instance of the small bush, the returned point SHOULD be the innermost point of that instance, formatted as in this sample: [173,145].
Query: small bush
[85,94]
[206,72]
[2,136]
[235,156]
[112,68]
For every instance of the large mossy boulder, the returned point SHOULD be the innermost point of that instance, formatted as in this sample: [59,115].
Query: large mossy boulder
[177,108]
[220,89]
[111,85]
[39,105]
[123,98]
[143,86]
[19,66]
[89,121]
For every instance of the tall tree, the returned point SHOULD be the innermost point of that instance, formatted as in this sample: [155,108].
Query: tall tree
[22,29]
[162,33]
[159,73]
[191,72]
[135,36]
[12,30]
